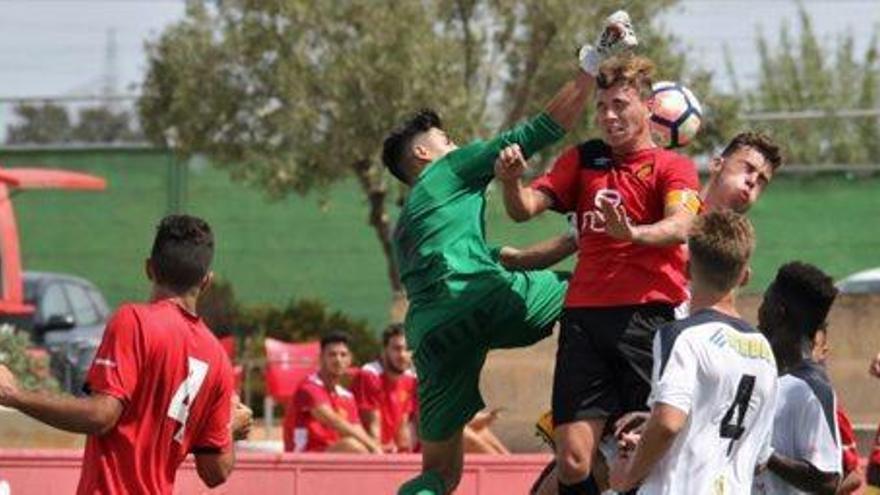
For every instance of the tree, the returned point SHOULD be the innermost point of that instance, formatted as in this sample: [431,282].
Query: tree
[49,123]
[103,124]
[293,95]
[40,124]
[804,74]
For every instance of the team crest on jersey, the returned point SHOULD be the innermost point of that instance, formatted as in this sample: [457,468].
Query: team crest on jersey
[645,170]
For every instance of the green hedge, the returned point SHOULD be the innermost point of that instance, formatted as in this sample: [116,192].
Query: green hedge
[321,247]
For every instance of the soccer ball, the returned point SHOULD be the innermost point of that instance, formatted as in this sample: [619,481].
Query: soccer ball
[677,115]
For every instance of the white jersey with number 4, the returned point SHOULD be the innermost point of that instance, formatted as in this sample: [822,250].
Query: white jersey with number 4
[721,372]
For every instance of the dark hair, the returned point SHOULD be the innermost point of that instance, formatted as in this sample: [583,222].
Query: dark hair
[807,294]
[393,330]
[182,252]
[720,244]
[760,142]
[396,145]
[335,337]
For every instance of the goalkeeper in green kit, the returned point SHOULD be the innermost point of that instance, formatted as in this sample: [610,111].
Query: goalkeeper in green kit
[462,302]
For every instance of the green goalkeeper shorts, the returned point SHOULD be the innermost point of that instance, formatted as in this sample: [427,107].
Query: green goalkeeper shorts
[450,356]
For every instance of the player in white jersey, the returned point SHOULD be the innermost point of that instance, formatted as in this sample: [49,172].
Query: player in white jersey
[714,383]
[806,440]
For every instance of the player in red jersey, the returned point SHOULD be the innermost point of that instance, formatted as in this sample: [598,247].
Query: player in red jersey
[737,178]
[387,397]
[385,392]
[634,204]
[160,387]
[322,415]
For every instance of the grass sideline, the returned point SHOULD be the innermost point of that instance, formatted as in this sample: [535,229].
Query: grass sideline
[301,247]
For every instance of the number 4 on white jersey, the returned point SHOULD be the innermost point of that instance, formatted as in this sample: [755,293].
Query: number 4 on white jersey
[186,393]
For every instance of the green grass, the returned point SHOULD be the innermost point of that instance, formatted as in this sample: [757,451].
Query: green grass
[273,252]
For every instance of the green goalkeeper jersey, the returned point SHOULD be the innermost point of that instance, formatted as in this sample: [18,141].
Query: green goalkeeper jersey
[440,236]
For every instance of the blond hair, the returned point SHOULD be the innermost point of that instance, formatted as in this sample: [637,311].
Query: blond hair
[721,244]
[630,70]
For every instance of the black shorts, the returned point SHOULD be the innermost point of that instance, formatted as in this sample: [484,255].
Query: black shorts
[604,360]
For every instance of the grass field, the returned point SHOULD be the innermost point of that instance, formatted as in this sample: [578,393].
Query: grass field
[273,252]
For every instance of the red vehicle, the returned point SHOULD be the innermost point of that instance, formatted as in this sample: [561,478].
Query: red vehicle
[12,179]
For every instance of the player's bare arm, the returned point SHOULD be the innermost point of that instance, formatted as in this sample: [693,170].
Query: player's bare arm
[92,415]
[538,256]
[326,415]
[874,368]
[372,421]
[663,426]
[214,468]
[851,484]
[403,438]
[631,423]
[803,475]
[521,202]
[671,230]
[242,419]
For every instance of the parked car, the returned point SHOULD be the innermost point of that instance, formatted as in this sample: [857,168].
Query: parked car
[69,319]
[863,282]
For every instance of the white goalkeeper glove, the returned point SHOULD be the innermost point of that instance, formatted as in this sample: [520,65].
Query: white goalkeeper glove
[617,35]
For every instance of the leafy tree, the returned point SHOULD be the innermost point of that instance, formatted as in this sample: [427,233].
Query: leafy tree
[39,124]
[300,320]
[293,95]
[102,124]
[309,319]
[49,123]
[805,74]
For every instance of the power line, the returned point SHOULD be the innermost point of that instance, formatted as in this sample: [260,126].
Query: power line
[66,99]
[810,114]
[94,1]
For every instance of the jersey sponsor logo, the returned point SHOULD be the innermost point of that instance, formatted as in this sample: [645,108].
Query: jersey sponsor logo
[746,346]
[186,393]
[594,220]
[105,362]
